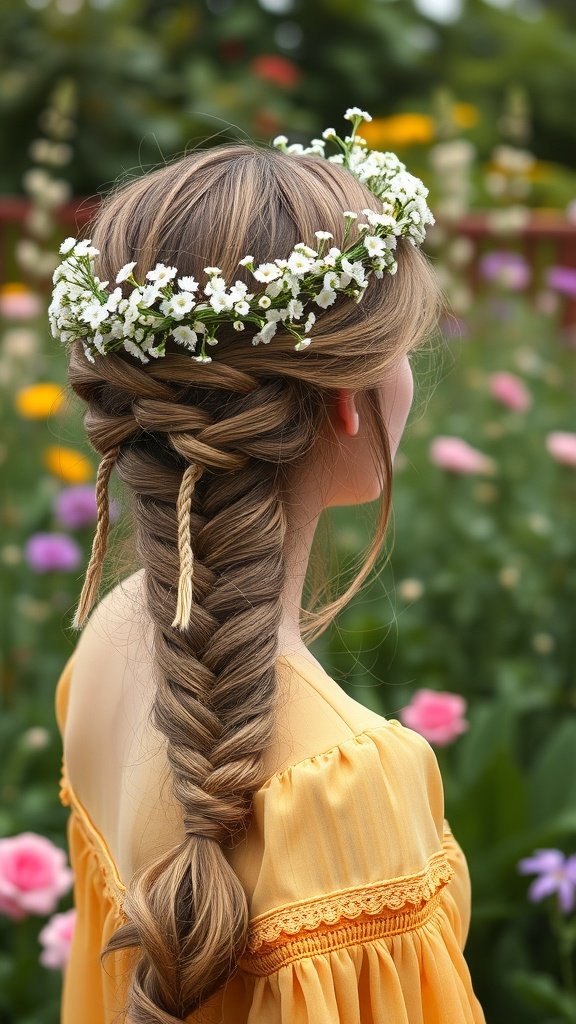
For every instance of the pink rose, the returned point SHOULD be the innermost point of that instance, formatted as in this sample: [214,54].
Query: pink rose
[457,456]
[437,715]
[56,937]
[33,875]
[508,389]
[562,446]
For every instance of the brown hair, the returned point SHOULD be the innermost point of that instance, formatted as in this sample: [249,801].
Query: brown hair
[206,452]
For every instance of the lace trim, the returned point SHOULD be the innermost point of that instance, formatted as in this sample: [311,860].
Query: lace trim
[271,957]
[393,894]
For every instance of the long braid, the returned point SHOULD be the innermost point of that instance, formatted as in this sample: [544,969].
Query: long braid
[216,689]
[97,555]
[192,473]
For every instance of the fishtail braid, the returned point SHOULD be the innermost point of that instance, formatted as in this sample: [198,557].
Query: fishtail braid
[215,700]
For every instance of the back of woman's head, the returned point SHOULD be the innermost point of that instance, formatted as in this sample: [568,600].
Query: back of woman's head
[233,429]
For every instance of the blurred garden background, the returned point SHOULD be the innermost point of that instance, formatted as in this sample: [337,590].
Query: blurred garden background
[477,600]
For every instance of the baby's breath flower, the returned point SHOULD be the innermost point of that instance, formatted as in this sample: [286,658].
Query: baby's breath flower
[162,274]
[82,308]
[267,272]
[354,112]
[188,284]
[299,264]
[305,250]
[67,245]
[185,336]
[325,297]
[178,306]
[125,272]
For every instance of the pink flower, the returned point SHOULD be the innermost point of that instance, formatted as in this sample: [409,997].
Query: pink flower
[437,715]
[33,875]
[562,447]
[457,456]
[17,302]
[506,268]
[56,937]
[508,389]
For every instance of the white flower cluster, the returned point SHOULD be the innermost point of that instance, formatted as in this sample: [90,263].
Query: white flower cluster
[166,306]
[403,195]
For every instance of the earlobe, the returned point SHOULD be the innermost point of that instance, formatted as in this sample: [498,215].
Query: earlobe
[347,412]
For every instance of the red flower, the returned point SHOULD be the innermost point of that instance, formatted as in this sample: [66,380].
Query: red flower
[273,68]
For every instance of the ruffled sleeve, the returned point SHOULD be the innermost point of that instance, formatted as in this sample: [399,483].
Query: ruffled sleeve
[361,898]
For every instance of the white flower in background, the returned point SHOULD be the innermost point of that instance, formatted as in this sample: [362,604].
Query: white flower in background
[67,245]
[323,235]
[246,261]
[310,321]
[243,308]
[265,302]
[354,112]
[211,271]
[238,325]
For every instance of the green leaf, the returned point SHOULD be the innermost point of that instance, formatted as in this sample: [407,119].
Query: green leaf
[542,992]
[551,793]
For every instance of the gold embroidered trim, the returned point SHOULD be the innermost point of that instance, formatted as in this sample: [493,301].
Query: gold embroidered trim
[351,903]
[328,938]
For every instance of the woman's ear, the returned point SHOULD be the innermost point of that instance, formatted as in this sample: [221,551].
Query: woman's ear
[347,412]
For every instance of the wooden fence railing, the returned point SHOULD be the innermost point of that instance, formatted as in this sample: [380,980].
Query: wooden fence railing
[547,239]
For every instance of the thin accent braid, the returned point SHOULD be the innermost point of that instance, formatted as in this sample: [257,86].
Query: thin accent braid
[98,553]
[192,473]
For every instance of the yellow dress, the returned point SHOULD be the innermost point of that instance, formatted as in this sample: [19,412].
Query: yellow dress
[359,894]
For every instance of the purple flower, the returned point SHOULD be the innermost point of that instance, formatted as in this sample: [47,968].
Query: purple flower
[562,279]
[506,268]
[557,874]
[46,552]
[75,507]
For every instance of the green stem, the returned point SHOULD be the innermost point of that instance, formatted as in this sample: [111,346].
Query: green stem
[565,949]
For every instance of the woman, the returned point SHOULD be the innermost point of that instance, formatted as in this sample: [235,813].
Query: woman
[249,843]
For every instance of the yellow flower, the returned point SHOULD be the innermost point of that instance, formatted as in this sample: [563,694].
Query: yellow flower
[398,130]
[38,401]
[465,115]
[68,464]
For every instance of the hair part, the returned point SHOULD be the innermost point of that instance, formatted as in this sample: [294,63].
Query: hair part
[206,452]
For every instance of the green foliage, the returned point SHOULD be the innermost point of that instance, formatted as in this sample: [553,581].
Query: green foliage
[152,79]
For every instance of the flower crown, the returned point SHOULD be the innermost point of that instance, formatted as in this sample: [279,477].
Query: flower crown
[83,308]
